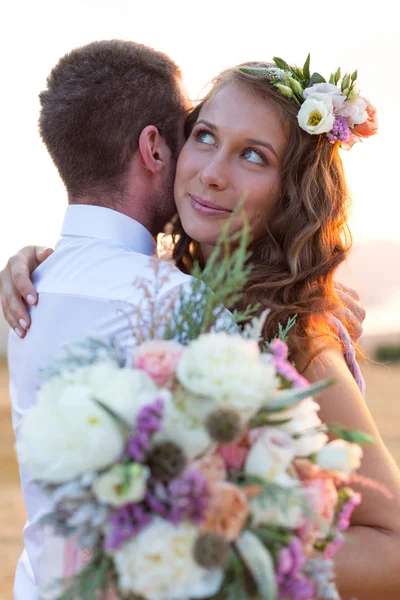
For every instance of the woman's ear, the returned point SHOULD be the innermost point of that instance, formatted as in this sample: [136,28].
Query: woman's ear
[153,149]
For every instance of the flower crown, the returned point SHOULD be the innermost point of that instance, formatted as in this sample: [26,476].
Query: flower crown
[340,113]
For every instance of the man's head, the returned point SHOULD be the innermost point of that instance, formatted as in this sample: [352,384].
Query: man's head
[112,120]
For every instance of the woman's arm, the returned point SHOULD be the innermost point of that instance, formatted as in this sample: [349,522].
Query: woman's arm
[368,565]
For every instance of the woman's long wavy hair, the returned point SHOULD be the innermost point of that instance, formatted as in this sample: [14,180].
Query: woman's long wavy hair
[307,237]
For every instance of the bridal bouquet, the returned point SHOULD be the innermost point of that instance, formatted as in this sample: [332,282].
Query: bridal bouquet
[197,471]
[195,468]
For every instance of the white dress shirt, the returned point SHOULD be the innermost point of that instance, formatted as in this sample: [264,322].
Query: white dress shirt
[81,288]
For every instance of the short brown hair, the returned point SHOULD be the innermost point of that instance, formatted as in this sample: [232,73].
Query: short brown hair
[98,100]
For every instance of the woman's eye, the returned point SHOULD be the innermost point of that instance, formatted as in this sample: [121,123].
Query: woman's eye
[205,137]
[254,157]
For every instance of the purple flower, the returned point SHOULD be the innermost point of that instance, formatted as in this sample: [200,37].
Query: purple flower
[340,131]
[124,523]
[285,369]
[298,588]
[347,511]
[334,546]
[279,348]
[185,497]
[148,422]
[291,560]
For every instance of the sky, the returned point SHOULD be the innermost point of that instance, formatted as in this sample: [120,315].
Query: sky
[203,38]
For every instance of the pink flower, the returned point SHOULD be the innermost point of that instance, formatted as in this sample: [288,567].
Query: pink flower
[322,496]
[212,467]
[370,126]
[158,358]
[235,454]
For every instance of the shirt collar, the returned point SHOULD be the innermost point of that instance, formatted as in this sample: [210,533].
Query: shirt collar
[102,223]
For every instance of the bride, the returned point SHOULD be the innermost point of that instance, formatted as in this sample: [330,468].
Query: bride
[255,133]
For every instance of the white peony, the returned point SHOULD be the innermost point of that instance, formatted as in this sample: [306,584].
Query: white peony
[271,455]
[316,114]
[354,111]
[68,436]
[158,564]
[108,486]
[229,370]
[183,421]
[341,457]
[303,424]
[125,391]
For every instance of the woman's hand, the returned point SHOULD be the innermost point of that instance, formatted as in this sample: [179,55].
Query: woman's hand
[16,288]
[353,311]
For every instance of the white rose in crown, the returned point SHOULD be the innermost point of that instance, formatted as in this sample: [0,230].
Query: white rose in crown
[341,457]
[228,369]
[158,564]
[316,114]
[270,456]
[109,486]
[68,436]
[303,426]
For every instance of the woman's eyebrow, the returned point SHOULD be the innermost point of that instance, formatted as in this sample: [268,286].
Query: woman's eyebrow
[261,143]
[249,140]
[210,125]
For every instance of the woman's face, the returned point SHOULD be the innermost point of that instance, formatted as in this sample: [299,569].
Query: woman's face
[234,151]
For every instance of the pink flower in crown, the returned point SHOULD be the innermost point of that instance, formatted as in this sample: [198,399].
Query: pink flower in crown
[370,126]
[322,496]
[158,358]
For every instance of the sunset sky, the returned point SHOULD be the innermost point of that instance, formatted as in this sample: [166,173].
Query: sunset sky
[203,38]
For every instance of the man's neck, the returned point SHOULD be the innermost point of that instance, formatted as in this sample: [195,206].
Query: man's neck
[125,208]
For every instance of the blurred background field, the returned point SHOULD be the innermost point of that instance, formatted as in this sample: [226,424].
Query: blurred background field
[383,399]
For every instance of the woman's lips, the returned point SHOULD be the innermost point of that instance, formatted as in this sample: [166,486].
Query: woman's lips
[206,208]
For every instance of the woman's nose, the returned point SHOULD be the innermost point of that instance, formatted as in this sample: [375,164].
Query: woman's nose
[215,173]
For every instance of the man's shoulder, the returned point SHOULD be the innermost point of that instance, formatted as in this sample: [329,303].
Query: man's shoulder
[103,270]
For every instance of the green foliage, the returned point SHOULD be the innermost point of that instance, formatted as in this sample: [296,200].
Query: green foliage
[350,435]
[388,353]
[280,63]
[306,68]
[283,332]
[217,287]
[97,575]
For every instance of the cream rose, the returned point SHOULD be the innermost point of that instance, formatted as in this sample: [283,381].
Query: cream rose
[341,457]
[303,427]
[229,370]
[158,564]
[270,455]
[68,436]
[316,114]
[354,111]
[108,486]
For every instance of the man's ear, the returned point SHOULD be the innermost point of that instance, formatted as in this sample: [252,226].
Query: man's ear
[153,149]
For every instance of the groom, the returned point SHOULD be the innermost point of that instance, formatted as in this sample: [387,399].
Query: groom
[112,120]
